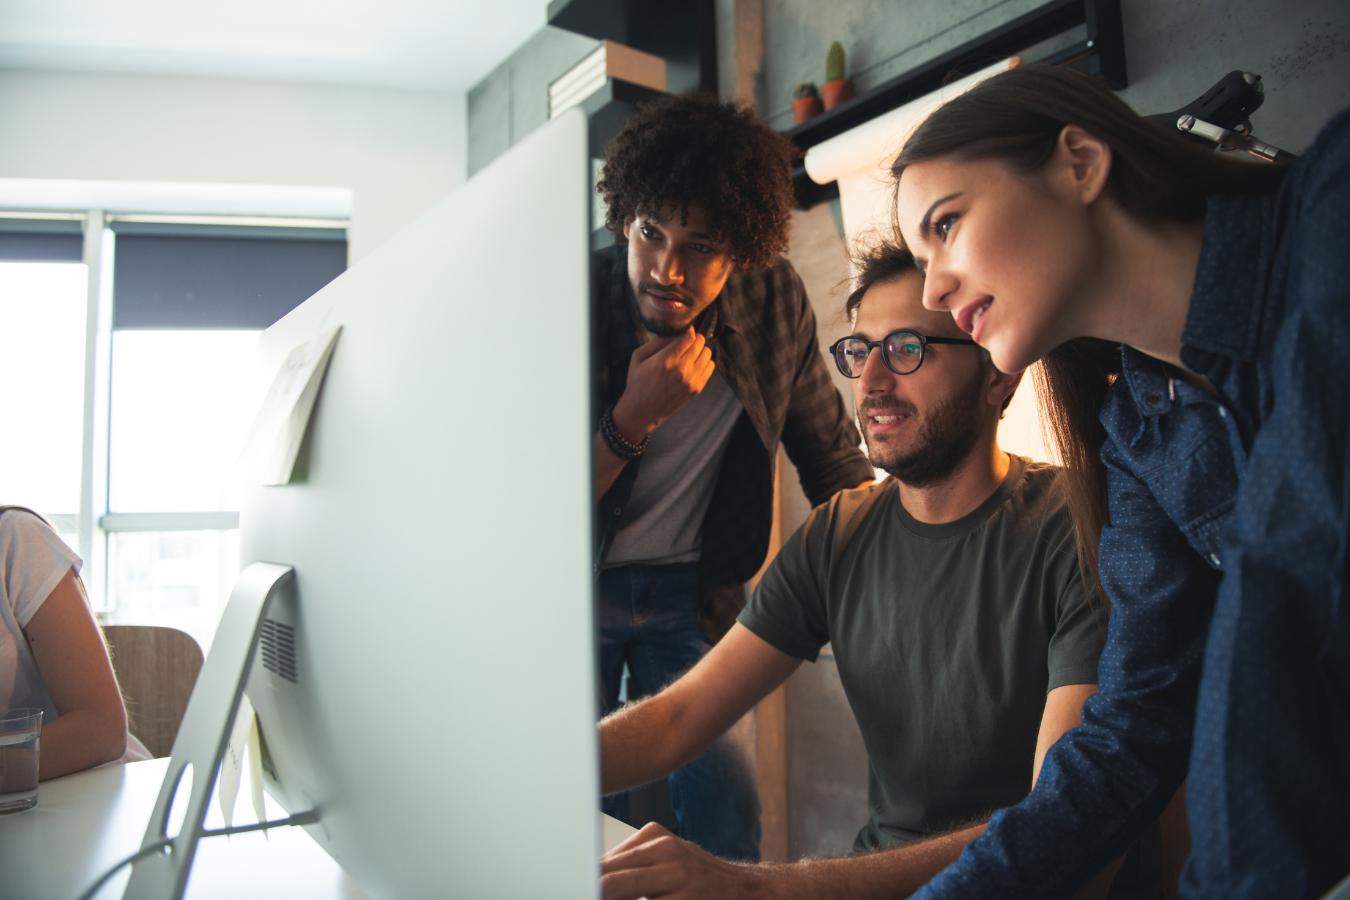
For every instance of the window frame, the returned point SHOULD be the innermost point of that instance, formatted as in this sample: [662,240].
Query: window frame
[93,522]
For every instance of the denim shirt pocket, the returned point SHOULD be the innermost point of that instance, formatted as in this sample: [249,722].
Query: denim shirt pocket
[1196,481]
[1177,440]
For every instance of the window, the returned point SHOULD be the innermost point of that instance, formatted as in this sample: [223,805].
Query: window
[178,577]
[42,336]
[135,404]
[182,402]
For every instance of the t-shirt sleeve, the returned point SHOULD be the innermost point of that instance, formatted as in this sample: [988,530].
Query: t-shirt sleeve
[818,431]
[787,609]
[1080,626]
[33,560]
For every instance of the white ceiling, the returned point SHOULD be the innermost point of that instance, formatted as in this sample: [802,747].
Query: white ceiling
[445,45]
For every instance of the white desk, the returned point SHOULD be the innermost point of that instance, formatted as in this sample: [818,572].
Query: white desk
[85,823]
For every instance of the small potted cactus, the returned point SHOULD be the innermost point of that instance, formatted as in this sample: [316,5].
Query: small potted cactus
[805,102]
[836,88]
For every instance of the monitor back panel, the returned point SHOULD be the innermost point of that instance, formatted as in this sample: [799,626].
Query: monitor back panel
[441,709]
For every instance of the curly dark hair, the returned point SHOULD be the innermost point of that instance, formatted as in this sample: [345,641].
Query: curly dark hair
[677,152]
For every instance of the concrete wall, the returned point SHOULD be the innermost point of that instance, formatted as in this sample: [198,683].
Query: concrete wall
[397,151]
[1174,51]
[512,100]
[881,39]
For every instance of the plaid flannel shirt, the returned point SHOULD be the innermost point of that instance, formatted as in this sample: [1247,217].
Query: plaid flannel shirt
[763,335]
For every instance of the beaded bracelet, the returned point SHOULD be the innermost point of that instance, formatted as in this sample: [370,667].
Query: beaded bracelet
[614,439]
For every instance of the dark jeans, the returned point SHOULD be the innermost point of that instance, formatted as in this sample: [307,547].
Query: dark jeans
[648,619]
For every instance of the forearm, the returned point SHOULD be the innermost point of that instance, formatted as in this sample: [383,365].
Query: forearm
[885,874]
[641,743]
[81,739]
[73,660]
[608,465]
[648,739]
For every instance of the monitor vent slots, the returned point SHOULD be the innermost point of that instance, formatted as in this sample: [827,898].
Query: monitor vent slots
[277,646]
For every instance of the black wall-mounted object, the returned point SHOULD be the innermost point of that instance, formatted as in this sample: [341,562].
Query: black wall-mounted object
[609,107]
[1101,52]
[683,33]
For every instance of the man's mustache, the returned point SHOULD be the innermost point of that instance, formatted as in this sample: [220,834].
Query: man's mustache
[657,288]
[874,405]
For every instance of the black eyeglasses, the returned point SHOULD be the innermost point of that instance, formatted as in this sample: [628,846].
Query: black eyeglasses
[901,351]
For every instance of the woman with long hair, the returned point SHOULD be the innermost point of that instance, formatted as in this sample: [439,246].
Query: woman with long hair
[1193,315]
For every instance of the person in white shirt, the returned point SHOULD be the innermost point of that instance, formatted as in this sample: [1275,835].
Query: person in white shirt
[52,653]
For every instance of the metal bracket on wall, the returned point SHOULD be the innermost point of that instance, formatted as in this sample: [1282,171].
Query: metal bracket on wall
[1101,52]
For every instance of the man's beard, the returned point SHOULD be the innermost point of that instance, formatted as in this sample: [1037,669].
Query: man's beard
[948,433]
[657,327]
[661,329]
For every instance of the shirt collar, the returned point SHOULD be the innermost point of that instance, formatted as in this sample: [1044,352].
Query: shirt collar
[1224,315]
[1150,382]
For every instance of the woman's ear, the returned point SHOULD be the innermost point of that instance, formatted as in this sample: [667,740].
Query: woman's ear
[1083,161]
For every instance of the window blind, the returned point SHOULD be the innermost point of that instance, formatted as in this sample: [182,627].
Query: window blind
[218,277]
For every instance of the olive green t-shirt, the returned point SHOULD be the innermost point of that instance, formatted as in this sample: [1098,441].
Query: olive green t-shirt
[947,638]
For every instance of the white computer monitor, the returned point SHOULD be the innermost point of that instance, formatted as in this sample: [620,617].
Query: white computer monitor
[441,712]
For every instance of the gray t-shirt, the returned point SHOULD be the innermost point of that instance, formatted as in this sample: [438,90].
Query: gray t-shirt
[663,522]
[947,638]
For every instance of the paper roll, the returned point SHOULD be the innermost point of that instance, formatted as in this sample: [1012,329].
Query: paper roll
[875,144]
[860,160]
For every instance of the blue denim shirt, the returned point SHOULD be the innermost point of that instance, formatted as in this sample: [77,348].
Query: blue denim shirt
[1227,563]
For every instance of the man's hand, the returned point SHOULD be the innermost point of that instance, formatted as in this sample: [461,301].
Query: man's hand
[659,866]
[663,375]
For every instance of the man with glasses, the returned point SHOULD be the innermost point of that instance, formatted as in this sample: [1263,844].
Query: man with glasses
[953,600]
[708,360]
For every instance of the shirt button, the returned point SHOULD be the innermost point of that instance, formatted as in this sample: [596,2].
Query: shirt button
[618,510]
[1154,399]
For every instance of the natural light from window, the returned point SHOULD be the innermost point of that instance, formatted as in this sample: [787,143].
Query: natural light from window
[182,404]
[179,578]
[42,338]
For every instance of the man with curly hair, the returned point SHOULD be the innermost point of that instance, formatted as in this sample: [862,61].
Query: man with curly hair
[707,361]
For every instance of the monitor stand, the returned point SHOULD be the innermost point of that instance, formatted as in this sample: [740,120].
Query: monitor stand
[160,869]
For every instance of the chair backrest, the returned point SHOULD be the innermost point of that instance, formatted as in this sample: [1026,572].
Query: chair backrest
[156,668]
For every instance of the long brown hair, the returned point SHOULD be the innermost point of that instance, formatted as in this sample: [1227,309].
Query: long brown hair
[1016,118]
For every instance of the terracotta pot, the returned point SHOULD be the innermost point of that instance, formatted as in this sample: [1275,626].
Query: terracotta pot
[804,108]
[836,92]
